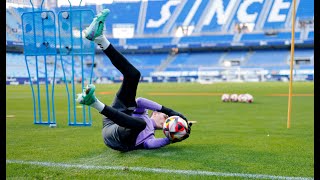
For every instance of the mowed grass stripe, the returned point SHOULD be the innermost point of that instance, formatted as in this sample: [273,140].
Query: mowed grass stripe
[154,170]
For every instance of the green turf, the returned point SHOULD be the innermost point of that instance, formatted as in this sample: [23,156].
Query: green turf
[228,138]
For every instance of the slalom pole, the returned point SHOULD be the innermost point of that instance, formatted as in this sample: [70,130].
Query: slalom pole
[291,63]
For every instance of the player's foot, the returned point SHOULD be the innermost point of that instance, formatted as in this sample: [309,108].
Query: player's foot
[96,27]
[87,96]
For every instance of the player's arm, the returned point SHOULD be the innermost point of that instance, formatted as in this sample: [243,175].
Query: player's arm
[171,112]
[156,143]
[143,103]
[141,108]
[160,142]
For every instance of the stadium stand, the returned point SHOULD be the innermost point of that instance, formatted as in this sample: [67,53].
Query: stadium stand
[197,59]
[212,26]
[282,36]
[190,14]
[305,9]
[311,35]
[206,39]
[122,13]
[151,21]
[10,23]
[267,58]
[148,41]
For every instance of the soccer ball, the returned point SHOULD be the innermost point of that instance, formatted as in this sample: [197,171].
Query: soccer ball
[175,127]
[244,98]
[240,97]
[225,98]
[234,97]
[249,98]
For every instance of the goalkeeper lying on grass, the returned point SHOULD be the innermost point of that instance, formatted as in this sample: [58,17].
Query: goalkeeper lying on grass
[126,124]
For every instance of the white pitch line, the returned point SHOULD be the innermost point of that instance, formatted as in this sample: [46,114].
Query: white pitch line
[155,170]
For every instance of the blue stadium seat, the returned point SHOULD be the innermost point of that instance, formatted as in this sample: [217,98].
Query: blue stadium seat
[11,21]
[256,6]
[281,36]
[265,58]
[206,39]
[311,35]
[113,41]
[149,41]
[122,13]
[145,72]
[143,60]
[187,9]
[181,68]
[145,63]
[153,13]
[214,25]
[236,54]
[196,59]
[305,9]
[304,53]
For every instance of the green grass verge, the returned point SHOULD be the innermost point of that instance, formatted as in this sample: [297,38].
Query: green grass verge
[228,138]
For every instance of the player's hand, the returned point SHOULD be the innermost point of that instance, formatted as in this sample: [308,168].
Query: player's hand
[179,140]
[171,112]
[179,114]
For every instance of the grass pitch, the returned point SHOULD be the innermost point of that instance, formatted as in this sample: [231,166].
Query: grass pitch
[228,137]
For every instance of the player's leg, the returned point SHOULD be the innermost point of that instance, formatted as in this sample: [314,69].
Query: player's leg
[125,99]
[87,97]
[131,76]
[127,128]
[119,138]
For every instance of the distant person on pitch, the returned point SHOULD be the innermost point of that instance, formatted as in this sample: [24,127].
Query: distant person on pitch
[126,124]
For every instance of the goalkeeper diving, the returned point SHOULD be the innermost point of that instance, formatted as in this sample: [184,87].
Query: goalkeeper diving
[126,124]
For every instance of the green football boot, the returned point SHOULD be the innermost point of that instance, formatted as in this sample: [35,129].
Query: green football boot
[96,27]
[87,97]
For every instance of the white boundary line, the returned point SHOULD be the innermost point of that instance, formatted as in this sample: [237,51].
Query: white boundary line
[155,170]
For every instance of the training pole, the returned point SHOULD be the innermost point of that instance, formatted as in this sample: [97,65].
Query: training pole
[291,63]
